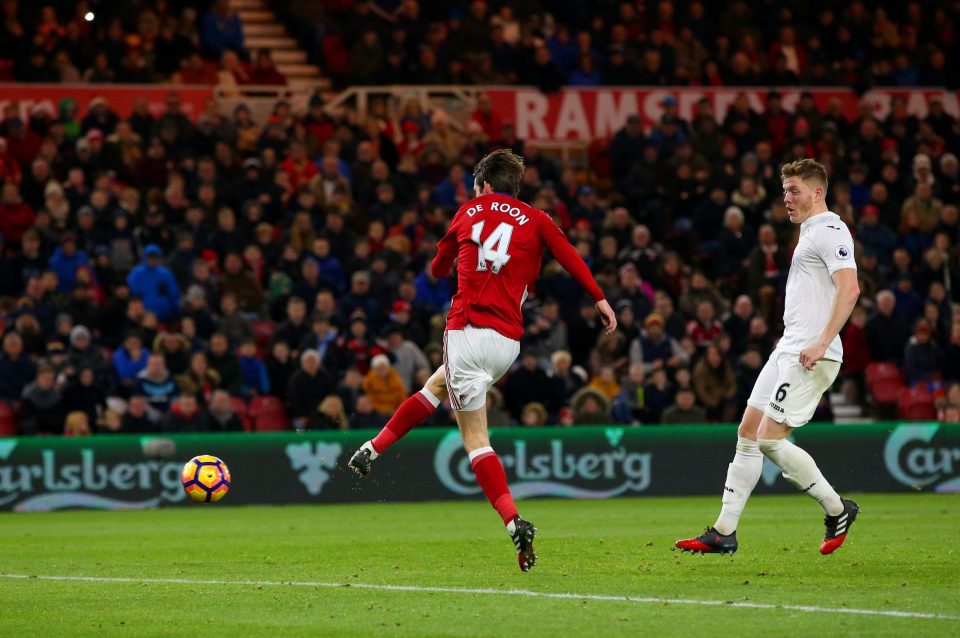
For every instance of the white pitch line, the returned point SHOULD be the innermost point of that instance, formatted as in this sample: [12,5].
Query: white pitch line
[498,592]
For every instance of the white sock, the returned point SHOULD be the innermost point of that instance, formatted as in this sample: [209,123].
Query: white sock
[801,470]
[742,476]
[373,453]
[430,396]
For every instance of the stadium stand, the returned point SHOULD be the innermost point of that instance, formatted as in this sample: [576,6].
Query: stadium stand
[172,213]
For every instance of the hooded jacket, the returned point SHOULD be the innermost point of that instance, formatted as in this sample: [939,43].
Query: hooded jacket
[157,287]
[43,411]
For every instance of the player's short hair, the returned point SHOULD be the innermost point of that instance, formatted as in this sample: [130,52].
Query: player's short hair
[805,169]
[502,170]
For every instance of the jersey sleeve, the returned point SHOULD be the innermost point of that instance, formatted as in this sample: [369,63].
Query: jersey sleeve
[567,255]
[446,252]
[835,247]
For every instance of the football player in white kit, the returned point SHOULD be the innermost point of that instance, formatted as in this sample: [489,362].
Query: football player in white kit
[821,292]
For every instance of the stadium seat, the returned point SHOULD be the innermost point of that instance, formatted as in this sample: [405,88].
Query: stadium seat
[8,423]
[881,371]
[243,413]
[916,404]
[263,330]
[886,391]
[272,422]
[260,406]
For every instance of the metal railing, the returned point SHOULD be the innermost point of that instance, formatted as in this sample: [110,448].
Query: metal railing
[455,100]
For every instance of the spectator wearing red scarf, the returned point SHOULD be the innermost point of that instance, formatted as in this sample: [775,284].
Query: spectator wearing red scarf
[298,166]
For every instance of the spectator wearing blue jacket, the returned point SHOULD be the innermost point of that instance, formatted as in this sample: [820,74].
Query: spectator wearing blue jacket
[456,188]
[17,369]
[874,234]
[129,360]
[359,298]
[156,384]
[66,260]
[433,294]
[255,382]
[222,30]
[586,73]
[155,285]
[330,267]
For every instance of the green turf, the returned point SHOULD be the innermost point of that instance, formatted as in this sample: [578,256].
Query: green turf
[900,556]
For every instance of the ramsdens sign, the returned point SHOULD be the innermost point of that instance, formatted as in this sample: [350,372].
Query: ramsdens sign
[594,113]
[120,472]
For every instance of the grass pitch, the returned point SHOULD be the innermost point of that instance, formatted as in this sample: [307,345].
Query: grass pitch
[284,571]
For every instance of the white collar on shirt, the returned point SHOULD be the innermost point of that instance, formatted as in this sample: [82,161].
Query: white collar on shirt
[818,219]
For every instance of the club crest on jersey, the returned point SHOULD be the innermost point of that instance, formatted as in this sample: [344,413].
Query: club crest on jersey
[843,252]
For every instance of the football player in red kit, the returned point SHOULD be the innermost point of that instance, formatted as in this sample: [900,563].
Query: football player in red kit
[498,242]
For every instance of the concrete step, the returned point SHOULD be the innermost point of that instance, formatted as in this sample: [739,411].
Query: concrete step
[273,44]
[263,29]
[852,420]
[309,83]
[847,411]
[837,398]
[256,15]
[289,56]
[299,70]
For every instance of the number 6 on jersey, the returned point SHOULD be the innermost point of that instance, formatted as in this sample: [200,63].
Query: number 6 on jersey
[494,248]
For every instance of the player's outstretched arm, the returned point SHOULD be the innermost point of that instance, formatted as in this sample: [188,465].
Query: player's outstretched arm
[607,316]
[844,299]
[568,257]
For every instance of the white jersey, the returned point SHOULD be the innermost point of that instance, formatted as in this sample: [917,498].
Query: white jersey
[825,246]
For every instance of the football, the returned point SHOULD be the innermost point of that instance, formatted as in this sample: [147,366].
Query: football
[206,479]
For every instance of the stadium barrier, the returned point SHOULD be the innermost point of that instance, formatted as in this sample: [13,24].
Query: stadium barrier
[599,112]
[129,472]
[120,97]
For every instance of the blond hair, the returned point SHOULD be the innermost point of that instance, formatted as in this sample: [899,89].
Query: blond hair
[333,403]
[77,423]
[806,170]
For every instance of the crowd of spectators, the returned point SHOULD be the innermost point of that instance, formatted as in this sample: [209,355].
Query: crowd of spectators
[594,42]
[153,267]
[579,43]
[129,42]
[163,259]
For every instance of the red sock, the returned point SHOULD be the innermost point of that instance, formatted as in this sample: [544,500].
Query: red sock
[411,413]
[491,477]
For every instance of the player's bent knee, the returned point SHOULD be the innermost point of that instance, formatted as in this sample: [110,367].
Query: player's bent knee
[438,390]
[770,429]
[437,383]
[750,423]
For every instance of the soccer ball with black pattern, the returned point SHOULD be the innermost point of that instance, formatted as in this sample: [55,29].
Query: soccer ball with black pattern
[206,479]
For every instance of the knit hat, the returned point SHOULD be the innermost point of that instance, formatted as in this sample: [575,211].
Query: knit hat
[77,332]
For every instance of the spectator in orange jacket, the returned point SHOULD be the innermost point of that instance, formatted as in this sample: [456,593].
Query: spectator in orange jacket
[384,386]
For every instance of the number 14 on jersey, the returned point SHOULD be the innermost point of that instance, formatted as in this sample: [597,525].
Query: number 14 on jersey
[494,247]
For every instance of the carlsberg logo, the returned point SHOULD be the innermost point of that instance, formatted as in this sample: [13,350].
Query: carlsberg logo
[913,460]
[81,484]
[549,473]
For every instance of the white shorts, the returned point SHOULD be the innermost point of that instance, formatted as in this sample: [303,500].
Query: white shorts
[789,393]
[475,359]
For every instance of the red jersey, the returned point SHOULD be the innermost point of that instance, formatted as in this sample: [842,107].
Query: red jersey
[499,242]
